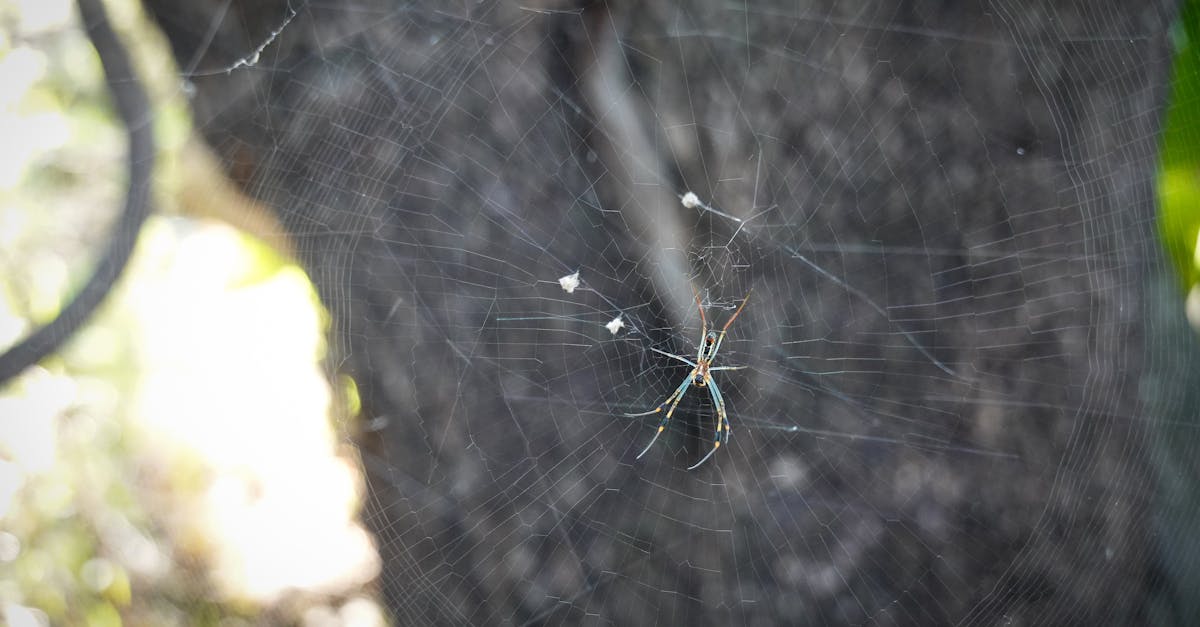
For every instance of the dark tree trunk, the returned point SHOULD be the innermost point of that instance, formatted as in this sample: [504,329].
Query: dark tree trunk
[439,170]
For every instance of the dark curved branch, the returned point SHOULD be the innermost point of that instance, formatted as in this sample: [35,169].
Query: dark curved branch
[134,110]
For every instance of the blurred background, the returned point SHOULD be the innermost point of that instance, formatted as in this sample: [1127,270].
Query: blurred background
[141,480]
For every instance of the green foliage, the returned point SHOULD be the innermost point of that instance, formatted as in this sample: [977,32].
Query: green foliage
[110,449]
[1179,176]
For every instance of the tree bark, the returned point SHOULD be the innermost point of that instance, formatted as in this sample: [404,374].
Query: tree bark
[433,166]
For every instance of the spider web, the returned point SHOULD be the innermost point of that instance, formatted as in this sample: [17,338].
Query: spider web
[941,217]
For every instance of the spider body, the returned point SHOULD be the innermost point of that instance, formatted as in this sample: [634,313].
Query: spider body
[701,377]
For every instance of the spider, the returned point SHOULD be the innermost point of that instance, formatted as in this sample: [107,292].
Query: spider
[700,376]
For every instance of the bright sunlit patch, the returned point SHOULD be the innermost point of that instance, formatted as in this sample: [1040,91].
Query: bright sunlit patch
[273,538]
[43,15]
[21,616]
[20,69]
[28,441]
[11,480]
[25,133]
[12,224]
[12,326]
[186,425]
[232,376]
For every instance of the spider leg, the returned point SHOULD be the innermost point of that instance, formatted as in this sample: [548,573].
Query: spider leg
[674,356]
[721,338]
[738,312]
[673,399]
[721,411]
[703,320]
[721,437]
[716,368]
[678,392]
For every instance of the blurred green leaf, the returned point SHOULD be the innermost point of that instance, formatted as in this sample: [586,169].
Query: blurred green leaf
[1179,177]
[103,615]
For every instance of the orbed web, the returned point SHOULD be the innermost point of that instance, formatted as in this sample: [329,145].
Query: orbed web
[658,354]
[510,211]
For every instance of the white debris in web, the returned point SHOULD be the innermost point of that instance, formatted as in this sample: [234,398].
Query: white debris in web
[615,325]
[255,55]
[569,282]
[691,201]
